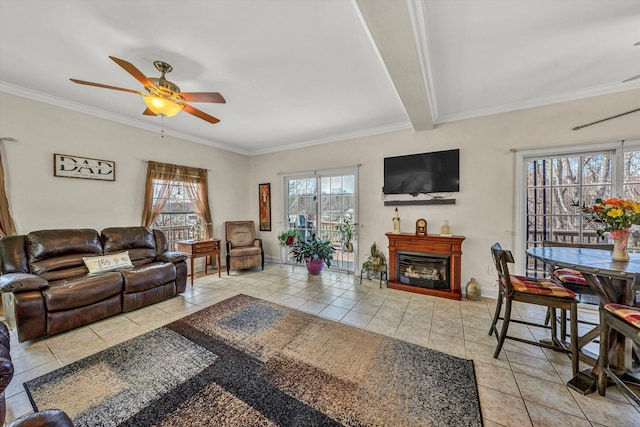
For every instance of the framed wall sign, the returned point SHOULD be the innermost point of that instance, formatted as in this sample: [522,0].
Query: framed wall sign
[264,195]
[67,166]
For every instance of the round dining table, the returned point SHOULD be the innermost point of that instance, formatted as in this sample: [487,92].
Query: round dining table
[611,281]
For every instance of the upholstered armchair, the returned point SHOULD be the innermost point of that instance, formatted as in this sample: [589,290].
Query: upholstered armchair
[244,250]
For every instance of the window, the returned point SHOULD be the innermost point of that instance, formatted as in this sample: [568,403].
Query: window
[317,202]
[176,199]
[178,217]
[554,186]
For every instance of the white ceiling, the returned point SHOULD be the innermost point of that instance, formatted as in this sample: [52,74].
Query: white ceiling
[302,72]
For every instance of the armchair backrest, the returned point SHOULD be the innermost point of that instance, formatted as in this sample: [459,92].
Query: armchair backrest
[240,233]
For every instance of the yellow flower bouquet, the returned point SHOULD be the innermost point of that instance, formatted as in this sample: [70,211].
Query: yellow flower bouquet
[614,214]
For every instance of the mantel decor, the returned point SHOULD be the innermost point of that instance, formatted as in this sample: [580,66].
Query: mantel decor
[68,166]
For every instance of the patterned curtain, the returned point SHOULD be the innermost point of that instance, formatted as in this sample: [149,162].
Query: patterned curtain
[197,186]
[7,226]
[160,176]
[157,186]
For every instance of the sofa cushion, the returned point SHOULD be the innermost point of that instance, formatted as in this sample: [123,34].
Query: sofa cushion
[138,241]
[81,291]
[148,276]
[245,251]
[57,254]
[103,263]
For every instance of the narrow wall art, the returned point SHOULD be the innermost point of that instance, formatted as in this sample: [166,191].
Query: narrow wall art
[264,196]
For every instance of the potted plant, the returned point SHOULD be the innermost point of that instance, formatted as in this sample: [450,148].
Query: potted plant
[376,261]
[347,230]
[314,253]
[287,238]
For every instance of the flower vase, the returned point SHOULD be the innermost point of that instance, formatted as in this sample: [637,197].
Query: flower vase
[620,245]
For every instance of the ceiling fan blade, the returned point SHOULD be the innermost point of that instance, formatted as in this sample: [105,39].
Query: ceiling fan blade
[148,112]
[202,97]
[82,82]
[200,114]
[631,78]
[131,69]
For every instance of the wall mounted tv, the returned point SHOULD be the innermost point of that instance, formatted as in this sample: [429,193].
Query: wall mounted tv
[435,172]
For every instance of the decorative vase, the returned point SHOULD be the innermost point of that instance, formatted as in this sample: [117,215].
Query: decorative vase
[314,266]
[620,245]
[473,290]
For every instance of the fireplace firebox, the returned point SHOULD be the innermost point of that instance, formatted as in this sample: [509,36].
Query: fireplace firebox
[428,264]
[429,271]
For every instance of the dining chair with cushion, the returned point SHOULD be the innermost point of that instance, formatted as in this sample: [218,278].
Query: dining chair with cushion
[535,291]
[572,279]
[624,320]
[244,249]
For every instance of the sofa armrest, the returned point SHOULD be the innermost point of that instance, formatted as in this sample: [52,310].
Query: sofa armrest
[172,257]
[16,282]
[6,368]
[257,243]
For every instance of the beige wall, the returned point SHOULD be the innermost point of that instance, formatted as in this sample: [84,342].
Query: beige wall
[39,200]
[484,210]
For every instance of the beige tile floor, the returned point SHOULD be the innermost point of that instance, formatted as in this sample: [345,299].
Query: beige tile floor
[525,386]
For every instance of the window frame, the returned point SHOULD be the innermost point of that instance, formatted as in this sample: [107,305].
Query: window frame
[617,149]
[168,231]
[318,175]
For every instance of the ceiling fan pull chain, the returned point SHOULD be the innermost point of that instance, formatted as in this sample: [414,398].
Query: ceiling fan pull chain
[162,126]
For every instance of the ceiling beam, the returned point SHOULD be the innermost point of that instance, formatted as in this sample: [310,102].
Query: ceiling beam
[390,27]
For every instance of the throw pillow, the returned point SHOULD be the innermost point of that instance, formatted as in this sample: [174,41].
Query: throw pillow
[100,264]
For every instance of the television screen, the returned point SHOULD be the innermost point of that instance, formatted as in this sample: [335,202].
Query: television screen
[435,172]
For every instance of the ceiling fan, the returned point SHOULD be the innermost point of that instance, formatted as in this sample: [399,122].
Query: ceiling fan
[162,96]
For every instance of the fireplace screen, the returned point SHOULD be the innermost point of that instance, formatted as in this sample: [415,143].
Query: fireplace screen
[423,270]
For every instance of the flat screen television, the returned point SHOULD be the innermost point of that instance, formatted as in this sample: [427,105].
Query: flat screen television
[435,172]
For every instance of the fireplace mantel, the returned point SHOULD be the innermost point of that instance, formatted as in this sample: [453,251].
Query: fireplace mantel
[431,244]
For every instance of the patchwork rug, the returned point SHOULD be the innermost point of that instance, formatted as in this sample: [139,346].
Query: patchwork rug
[248,362]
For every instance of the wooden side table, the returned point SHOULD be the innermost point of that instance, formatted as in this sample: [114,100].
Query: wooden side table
[201,248]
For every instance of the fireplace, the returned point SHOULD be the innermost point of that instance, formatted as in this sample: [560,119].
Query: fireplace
[429,271]
[428,264]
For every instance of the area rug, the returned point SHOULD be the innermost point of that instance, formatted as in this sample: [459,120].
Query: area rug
[249,362]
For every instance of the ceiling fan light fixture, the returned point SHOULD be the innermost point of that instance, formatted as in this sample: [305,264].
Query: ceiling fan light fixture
[162,106]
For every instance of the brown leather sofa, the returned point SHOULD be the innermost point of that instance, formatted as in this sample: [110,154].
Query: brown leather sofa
[47,288]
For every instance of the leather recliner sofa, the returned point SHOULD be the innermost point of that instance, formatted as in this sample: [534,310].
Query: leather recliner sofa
[48,417]
[47,288]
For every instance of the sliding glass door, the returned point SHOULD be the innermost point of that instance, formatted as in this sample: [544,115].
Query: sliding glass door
[317,202]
